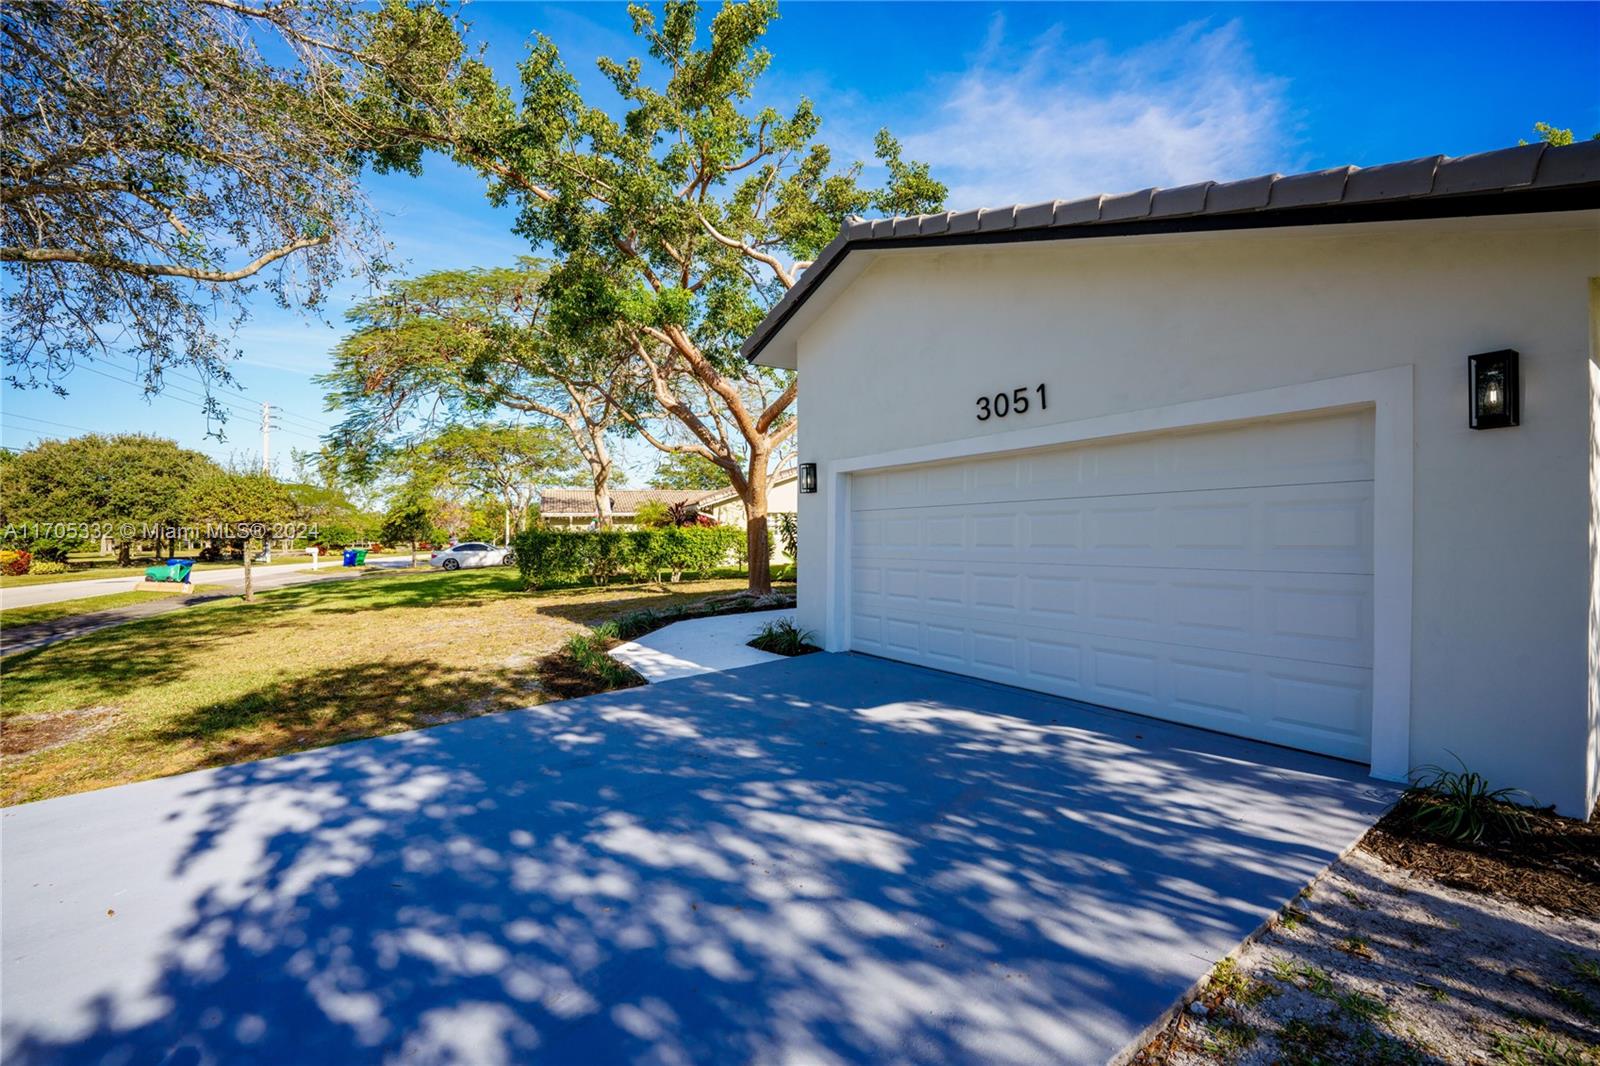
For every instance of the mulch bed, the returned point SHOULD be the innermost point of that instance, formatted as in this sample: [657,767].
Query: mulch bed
[562,678]
[1556,865]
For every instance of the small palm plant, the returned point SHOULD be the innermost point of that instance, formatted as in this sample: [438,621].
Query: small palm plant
[1458,805]
[783,637]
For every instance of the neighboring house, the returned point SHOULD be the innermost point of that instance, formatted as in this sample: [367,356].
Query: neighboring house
[1204,454]
[725,506]
[575,507]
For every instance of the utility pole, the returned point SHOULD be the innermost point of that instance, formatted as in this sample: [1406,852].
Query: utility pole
[266,437]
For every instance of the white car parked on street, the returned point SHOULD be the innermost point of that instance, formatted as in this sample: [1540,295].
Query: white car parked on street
[471,553]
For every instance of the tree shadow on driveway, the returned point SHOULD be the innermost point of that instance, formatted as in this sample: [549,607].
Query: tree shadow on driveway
[827,859]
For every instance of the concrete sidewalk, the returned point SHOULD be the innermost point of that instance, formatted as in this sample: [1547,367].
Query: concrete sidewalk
[827,859]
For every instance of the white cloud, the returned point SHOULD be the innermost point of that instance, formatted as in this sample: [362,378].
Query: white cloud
[1058,121]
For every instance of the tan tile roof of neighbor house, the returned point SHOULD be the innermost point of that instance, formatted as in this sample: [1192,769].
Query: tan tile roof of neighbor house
[623,501]
[1527,178]
[774,479]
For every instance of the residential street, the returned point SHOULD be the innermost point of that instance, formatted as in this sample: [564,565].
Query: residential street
[267,576]
[224,583]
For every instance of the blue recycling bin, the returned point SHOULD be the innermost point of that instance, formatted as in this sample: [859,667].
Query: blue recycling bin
[350,557]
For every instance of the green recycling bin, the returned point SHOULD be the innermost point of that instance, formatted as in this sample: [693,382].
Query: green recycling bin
[174,571]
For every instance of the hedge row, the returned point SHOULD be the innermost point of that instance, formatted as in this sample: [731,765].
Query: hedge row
[548,557]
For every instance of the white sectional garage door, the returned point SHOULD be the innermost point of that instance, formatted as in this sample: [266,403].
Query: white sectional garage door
[1221,578]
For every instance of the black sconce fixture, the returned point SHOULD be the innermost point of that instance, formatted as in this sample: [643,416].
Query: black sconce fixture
[808,477]
[1496,390]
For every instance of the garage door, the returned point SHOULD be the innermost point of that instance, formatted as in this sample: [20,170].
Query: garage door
[1220,578]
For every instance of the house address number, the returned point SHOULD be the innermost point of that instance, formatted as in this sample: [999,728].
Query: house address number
[1015,402]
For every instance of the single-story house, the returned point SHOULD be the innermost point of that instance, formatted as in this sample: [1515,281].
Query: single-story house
[575,507]
[1311,459]
[728,509]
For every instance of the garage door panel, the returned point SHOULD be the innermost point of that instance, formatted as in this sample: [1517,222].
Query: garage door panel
[1284,618]
[1318,706]
[1220,578]
[1289,451]
[1279,527]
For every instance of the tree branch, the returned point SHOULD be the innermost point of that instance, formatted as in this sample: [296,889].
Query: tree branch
[106,261]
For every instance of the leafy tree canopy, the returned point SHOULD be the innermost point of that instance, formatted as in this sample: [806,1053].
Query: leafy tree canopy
[124,483]
[680,470]
[165,159]
[677,223]
[1555,136]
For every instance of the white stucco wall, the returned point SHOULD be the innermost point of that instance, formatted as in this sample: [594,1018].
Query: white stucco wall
[1503,587]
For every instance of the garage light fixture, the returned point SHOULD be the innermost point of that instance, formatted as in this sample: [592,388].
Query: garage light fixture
[808,477]
[1496,392]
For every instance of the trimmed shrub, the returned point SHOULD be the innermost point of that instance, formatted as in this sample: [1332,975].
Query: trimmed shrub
[548,557]
[47,566]
[15,563]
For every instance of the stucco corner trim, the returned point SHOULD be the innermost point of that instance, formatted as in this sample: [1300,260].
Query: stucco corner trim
[1388,392]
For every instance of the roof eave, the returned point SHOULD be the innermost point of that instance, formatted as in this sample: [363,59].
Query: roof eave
[1531,179]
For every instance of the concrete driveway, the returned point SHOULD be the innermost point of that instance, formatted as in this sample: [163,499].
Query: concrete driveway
[827,859]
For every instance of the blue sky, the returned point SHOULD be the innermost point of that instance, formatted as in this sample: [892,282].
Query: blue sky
[1008,102]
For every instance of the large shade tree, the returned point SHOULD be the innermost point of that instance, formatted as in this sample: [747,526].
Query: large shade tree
[677,222]
[462,344]
[165,160]
[506,462]
[125,488]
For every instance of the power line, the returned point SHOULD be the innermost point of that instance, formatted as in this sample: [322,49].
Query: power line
[305,422]
[43,421]
[177,397]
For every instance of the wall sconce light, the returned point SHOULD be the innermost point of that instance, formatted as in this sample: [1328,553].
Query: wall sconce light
[808,477]
[1496,390]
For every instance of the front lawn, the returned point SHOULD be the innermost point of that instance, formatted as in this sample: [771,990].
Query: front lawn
[302,667]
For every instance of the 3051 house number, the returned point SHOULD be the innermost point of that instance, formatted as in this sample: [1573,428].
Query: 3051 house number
[1015,402]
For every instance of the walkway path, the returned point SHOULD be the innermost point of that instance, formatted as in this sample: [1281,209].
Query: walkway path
[698,646]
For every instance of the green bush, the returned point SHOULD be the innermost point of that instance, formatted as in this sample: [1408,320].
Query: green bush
[789,533]
[548,557]
[783,637]
[1459,805]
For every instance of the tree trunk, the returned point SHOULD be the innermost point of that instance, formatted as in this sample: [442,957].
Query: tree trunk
[602,493]
[249,581]
[413,555]
[755,527]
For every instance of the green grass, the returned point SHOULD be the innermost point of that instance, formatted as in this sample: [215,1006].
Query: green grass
[1534,1046]
[1303,1042]
[1313,979]
[12,617]
[1358,946]
[1583,969]
[301,667]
